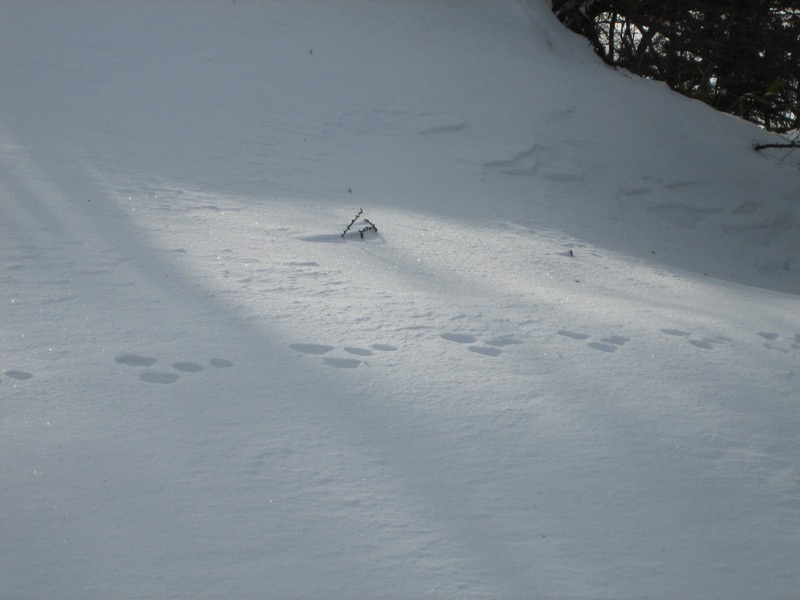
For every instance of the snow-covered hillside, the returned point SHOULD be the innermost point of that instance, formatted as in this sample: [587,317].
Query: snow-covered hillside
[566,365]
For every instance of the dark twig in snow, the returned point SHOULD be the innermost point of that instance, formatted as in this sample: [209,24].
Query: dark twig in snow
[758,147]
[358,214]
[370,227]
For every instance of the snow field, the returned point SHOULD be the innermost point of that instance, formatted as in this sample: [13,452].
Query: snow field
[565,366]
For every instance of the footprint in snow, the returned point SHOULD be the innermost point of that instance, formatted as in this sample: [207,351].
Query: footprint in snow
[341,363]
[166,377]
[573,335]
[459,338]
[775,342]
[134,360]
[18,375]
[491,347]
[709,343]
[187,367]
[311,348]
[705,343]
[503,341]
[603,347]
[358,351]
[616,340]
[384,347]
[220,363]
[676,332]
[609,344]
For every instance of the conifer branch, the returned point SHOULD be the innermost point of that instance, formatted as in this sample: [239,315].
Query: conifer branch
[758,147]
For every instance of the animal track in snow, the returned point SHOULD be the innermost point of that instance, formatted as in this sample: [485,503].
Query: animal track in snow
[166,377]
[526,162]
[187,367]
[774,341]
[491,347]
[311,348]
[573,335]
[384,347]
[459,338]
[503,341]
[18,375]
[677,332]
[341,363]
[708,343]
[220,363]
[602,346]
[616,340]
[134,360]
[705,343]
[486,350]
[610,343]
[531,163]
[358,351]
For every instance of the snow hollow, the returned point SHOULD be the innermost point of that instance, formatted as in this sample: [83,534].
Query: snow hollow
[564,366]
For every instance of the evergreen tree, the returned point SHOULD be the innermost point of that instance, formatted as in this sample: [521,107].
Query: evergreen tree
[739,56]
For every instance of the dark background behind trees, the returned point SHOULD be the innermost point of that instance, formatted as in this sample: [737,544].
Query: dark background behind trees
[739,56]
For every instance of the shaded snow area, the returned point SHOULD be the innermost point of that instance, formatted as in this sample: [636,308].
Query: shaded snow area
[565,366]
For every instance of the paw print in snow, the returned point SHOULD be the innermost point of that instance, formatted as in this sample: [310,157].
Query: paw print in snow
[705,343]
[774,341]
[608,344]
[341,363]
[491,348]
[18,375]
[166,377]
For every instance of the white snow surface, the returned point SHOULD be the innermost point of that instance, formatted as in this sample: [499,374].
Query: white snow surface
[566,365]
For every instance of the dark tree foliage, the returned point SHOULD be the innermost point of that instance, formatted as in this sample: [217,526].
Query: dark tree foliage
[739,56]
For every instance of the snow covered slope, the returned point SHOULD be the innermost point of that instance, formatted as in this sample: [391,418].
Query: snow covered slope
[565,365]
